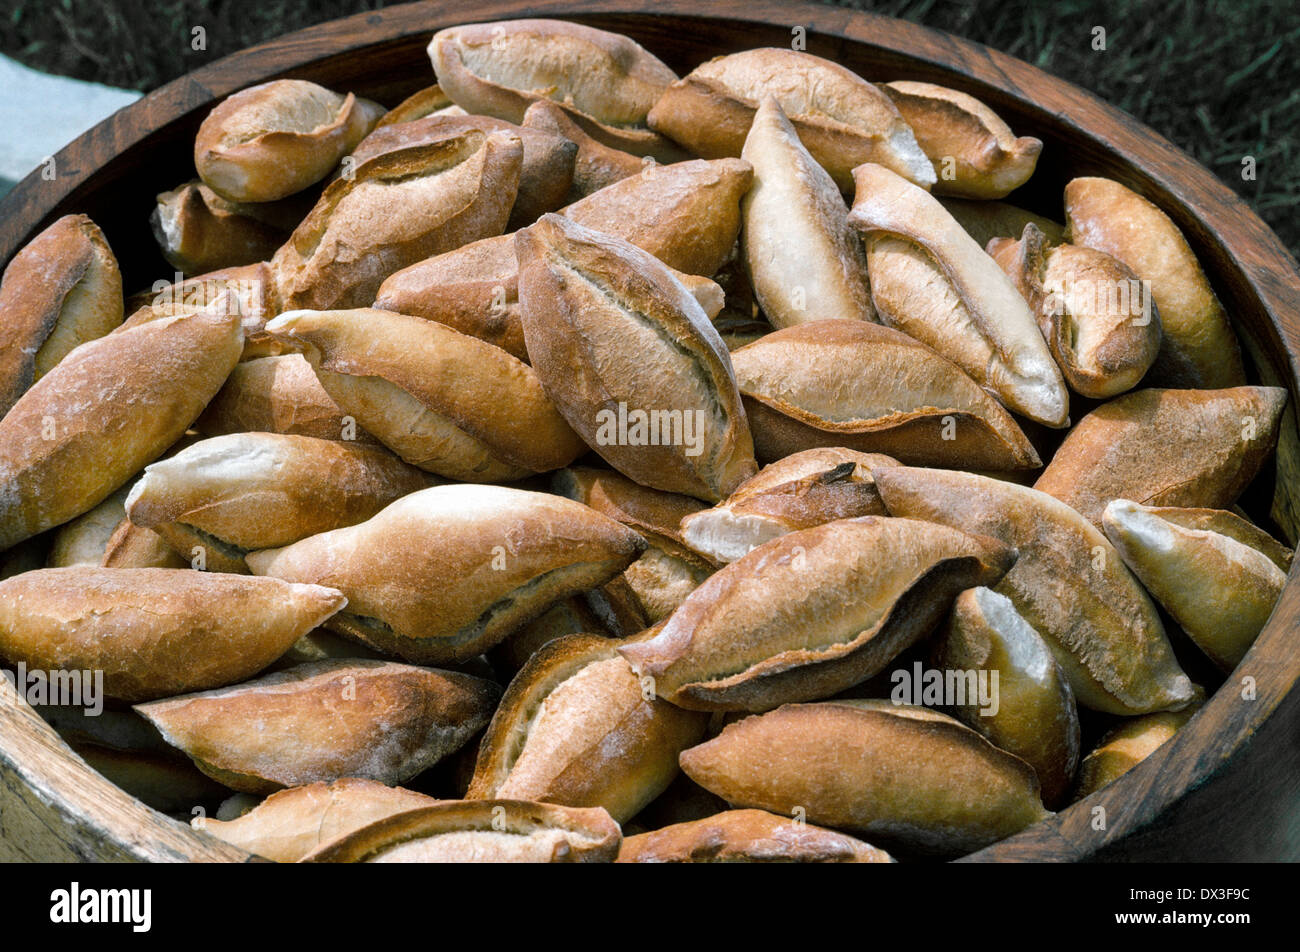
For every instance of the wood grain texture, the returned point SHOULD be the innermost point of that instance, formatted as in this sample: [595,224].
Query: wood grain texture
[1226,787]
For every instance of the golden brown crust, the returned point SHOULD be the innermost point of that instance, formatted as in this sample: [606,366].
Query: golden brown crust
[420,388]
[577,727]
[604,81]
[104,412]
[1211,443]
[975,154]
[841,118]
[813,612]
[984,220]
[569,616]
[747,836]
[596,164]
[198,231]
[656,515]
[61,289]
[446,573]
[418,105]
[901,775]
[155,632]
[271,140]
[481,831]
[610,331]
[1068,582]
[1199,348]
[83,540]
[1127,746]
[291,823]
[876,390]
[393,211]
[134,547]
[324,721]
[931,280]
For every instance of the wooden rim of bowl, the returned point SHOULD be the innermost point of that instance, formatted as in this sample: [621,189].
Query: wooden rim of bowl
[1207,211]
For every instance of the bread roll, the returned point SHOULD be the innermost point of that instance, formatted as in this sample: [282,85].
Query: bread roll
[813,612]
[232,494]
[841,118]
[61,289]
[596,164]
[904,775]
[569,616]
[443,401]
[604,81]
[687,215]
[155,632]
[576,727]
[1068,583]
[429,101]
[985,220]
[660,581]
[481,831]
[654,514]
[1101,326]
[245,291]
[325,721]
[446,573]
[135,547]
[83,540]
[806,266]
[1033,714]
[1126,746]
[277,138]
[393,211]
[875,390]
[278,395]
[930,279]
[626,353]
[1166,448]
[975,154]
[747,836]
[198,231]
[289,824]
[1198,348]
[1219,590]
[801,491]
[544,175]
[111,406]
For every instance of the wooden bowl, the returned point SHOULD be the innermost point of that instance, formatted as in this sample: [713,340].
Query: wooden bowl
[1224,788]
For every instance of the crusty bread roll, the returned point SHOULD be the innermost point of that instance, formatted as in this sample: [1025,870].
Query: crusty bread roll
[61,289]
[289,824]
[986,220]
[198,231]
[423,390]
[876,390]
[578,728]
[111,406]
[245,290]
[1102,329]
[445,573]
[904,775]
[841,118]
[274,139]
[429,101]
[83,540]
[604,81]
[660,580]
[1166,448]
[1198,348]
[1032,714]
[656,515]
[544,175]
[229,495]
[687,215]
[931,280]
[277,395]
[135,547]
[747,836]
[1126,746]
[800,491]
[569,616]
[155,632]
[481,831]
[325,721]
[393,211]
[596,164]
[1068,583]
[805,266]
[614,336]
[975,154]
[1219,590]
[813,612]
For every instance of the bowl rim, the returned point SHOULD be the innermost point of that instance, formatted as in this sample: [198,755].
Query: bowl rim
[1187,191]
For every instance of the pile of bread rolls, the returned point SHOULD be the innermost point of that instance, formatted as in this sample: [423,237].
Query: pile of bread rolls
[555,466]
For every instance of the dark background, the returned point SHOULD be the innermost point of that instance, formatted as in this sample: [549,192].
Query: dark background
[1217,77]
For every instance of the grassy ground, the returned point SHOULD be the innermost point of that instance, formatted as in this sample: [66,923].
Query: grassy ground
[1217,77]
